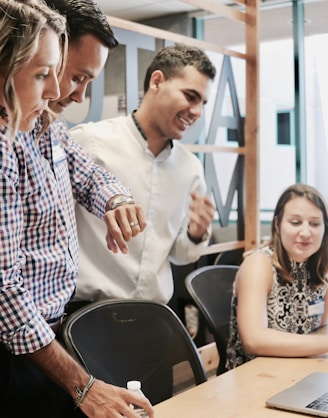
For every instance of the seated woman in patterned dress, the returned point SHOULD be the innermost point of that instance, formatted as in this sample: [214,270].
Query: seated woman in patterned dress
[280,291]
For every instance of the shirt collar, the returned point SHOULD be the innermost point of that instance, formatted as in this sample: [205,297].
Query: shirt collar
[140,128]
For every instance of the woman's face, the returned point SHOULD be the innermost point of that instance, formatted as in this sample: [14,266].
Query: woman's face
[302,229]
[37,82]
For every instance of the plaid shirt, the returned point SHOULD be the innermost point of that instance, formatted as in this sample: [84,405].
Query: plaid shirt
[39,180]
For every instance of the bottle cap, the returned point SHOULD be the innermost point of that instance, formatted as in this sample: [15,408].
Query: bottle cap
[134,385]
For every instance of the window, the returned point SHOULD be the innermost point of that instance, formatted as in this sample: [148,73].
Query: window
[284,127]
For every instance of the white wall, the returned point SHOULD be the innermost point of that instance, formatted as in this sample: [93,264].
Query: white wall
[317,111]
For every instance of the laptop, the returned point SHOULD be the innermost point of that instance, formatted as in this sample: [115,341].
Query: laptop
[307,396]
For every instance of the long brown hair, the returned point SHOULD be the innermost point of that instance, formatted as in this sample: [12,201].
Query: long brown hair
[318,262]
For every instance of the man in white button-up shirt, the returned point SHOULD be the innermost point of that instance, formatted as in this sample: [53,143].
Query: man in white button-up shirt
[143,151]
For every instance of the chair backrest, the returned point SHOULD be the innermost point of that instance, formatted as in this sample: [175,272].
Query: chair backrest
[121,340]
[232,257]
[210,287]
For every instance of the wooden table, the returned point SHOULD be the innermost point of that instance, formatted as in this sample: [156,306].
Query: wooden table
[241,393]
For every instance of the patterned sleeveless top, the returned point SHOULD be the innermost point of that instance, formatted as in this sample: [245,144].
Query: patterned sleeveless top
[290,308]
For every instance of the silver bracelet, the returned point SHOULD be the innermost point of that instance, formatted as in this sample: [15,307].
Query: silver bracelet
[119,201]
[82,393]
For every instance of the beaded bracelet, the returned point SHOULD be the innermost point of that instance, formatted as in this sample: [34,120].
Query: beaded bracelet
[82,393]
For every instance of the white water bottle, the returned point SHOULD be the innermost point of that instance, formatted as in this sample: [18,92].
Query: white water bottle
[135,386]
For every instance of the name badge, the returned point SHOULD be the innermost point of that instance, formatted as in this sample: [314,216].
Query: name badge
[316,307]
[58,153]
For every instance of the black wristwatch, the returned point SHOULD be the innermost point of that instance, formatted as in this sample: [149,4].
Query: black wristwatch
[198,240]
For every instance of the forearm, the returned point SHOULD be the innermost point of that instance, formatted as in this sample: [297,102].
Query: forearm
[274,343]
[92,185]
[60,367]
[102,400]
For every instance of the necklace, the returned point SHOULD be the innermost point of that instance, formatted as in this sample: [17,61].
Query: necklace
[138,126]
[141,131]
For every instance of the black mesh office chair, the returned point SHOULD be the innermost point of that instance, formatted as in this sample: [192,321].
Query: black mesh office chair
[210,287]
[121,340]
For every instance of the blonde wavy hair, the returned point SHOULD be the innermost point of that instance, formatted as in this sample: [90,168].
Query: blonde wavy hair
[22,22]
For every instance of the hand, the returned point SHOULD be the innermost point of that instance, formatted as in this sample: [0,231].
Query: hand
[201,214]
[123,223]
[108,401]
[102,400]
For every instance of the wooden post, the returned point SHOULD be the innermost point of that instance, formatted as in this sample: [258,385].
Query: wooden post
[252,213]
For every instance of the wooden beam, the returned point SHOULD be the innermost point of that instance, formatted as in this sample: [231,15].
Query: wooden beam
[218,9]
[252,221]
[215,148]
[170,36]
[223,246]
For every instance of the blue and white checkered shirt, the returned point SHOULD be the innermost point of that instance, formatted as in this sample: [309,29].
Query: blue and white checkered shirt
[38,241]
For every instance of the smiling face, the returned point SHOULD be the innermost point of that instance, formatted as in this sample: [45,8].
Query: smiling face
[301,229]
[177,102]
[85,60]
[37,82]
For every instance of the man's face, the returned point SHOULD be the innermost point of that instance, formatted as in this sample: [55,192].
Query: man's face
[178,101]
[85,60]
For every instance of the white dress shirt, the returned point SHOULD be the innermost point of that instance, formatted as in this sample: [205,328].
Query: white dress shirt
[162,185]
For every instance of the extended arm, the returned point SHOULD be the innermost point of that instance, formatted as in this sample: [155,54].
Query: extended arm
[96,189]
[102,400]
[253,284]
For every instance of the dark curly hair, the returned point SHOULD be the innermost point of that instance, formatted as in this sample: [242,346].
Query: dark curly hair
[173,59]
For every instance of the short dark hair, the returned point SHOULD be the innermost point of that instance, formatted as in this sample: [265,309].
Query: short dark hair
[84,17]
[173,59]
